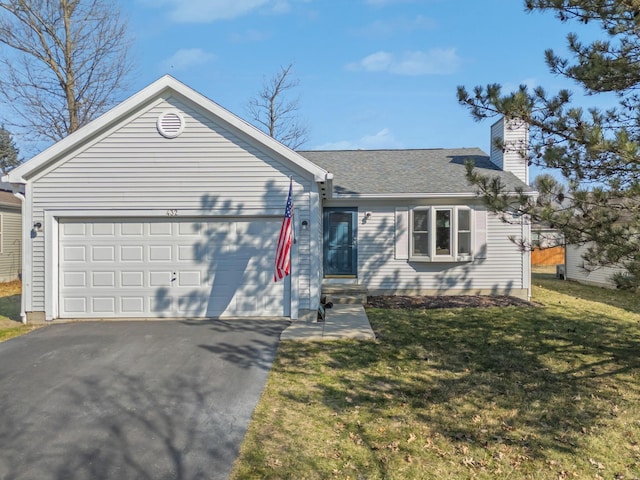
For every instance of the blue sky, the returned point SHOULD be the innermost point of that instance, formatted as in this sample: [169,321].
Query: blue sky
[373,73]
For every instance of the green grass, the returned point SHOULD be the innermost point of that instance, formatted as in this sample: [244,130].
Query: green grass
[9,332]
[547,392]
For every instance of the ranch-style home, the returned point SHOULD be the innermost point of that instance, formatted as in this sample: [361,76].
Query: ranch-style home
[170,206]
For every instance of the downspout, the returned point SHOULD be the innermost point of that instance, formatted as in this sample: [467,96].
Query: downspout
[23,246]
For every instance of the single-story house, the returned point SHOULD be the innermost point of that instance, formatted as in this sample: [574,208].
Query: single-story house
[10,234]
[578,269]
[170,206]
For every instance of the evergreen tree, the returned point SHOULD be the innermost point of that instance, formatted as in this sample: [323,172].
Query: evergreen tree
[8,152]
[596,150]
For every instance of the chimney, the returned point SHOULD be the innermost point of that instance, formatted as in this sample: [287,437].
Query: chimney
[510,147]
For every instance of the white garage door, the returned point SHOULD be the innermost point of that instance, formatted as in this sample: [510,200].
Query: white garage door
[169,268]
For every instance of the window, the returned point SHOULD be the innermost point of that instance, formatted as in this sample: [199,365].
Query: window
[464,231]
[420,233]
[441,234]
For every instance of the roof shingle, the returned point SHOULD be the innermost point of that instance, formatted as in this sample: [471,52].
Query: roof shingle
[394,172]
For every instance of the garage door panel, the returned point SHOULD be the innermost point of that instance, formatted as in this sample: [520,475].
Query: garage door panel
[132,253]
[74,254]
[161,304]
[177,268]
[160,278]
[189,253]
[190,279]
[158,228]
[132,229]
[103,229]
[190,229]
[192,305]
[75,304]
[160,253]
[104,279]
[103,253]
[131,306]
[132,279]
[74,279]
[71,229]
[103,305]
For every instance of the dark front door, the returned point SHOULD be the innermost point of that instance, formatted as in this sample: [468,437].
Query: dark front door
[340,249]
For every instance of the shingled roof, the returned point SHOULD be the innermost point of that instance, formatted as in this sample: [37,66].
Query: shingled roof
[397,172]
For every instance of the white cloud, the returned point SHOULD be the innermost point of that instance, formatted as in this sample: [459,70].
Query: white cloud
[437,61]
[205,11]
[187,58]
[281,6]
[383,139]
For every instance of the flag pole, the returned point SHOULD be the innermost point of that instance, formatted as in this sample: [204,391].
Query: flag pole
[285,239]
[293,215]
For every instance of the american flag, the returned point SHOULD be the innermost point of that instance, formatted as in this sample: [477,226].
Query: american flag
[283,259]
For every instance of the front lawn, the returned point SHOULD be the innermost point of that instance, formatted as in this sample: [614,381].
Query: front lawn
[548,392]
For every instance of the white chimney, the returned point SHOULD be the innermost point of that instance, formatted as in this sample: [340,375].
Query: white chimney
[510,147]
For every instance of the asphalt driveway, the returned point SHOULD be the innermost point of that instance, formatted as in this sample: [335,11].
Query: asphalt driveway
[131,400]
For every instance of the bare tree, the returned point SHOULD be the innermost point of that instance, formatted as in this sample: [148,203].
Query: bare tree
[275,113]
[65,64]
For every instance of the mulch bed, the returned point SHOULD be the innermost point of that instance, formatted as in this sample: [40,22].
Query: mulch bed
[445,301]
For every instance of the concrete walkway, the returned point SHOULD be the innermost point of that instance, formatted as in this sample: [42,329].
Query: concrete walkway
[341,321]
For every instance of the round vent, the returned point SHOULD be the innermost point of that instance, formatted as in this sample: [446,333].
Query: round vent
[170,124]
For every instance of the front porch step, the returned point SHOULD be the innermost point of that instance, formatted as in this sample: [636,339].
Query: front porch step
[345,293]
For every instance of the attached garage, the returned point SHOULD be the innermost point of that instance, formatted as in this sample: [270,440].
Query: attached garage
[168,206]
[173,268]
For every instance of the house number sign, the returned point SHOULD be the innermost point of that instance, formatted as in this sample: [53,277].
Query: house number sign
[172,212]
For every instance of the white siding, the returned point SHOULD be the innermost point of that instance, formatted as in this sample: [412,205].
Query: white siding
[574,269]
[514,136]
[206,171]
[502,271]
[10,258]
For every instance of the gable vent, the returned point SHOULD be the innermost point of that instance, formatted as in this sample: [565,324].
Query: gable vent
[170,124]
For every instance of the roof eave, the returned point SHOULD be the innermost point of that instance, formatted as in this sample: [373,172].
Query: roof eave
[382,196]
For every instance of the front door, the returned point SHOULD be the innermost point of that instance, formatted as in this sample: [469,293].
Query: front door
[340,249]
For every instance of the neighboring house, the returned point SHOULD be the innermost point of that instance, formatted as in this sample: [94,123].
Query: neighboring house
[547,244]
[578,269]
[170,206]
[10,235]
[544,236]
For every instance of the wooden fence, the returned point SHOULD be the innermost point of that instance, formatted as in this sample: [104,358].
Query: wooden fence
[547,256]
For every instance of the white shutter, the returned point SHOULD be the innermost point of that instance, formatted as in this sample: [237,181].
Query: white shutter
[480,235]
[402,233]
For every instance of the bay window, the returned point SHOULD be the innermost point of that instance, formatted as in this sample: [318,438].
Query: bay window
[441,234]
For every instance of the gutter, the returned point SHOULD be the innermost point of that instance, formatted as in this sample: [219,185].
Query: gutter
[23,247]
[383,196]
